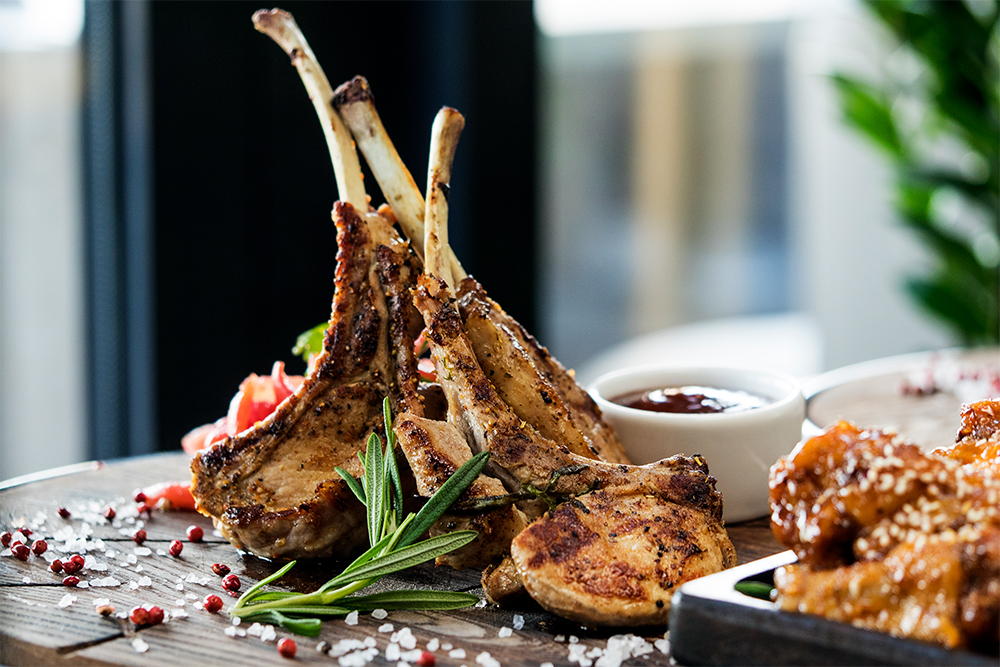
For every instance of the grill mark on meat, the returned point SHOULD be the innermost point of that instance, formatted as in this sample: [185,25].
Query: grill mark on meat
[558,541]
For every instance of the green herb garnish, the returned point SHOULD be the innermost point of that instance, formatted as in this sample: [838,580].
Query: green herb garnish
[393,548]
[310,342]
[755,589]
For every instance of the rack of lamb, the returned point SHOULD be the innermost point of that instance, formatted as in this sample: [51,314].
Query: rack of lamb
[560,512]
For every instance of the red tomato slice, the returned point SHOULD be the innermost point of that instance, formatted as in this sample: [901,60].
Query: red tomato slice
[170,496]
[426,369]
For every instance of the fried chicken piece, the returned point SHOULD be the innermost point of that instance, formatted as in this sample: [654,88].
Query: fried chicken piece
[614,558]
[891,538]
[978,441]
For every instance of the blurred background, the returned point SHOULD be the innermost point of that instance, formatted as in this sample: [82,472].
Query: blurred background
[759,184]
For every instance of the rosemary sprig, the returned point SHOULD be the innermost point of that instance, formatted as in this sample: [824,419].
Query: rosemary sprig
[393,548]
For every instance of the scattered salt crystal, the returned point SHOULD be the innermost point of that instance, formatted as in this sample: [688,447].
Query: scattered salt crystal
[83,584]
[240,632]
[216,533]
[101,601]
[406,639]
[26,580]
[180,613]
[141,551]
[268,634]
[190,596]
[191,578]
[140,645]
[352,618]
[131,559]
[237,620]
[179,587]
[518,621]
[573,639]
[385,627]
[130,520]
[392,653]
[370,642]
[446,646]
[433,644]
[66,600]
[402,663]
[139,568]
[132,585]
[505,632]
[255,630]
[145,581]
[546,664]
[663,646]
[230,631]
[481,604]
[179,602]
[110,553]
[161,552]
[379,614]
[410,656]
[458,653]
[594,652]
[106,582]
[6,552]
[487,660]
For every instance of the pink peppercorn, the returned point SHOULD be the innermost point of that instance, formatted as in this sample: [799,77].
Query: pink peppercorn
[139,536]
[195,533]
[20,551]
[231,582]
[56,566]
[70,580]
[287,648]
[213,603]
[176,547]
[220,569]
[39,547]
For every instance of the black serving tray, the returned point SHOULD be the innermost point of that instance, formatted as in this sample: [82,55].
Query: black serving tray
[711,623]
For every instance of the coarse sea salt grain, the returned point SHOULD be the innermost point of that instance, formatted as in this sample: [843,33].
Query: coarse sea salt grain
[138,568]
[370,642]
[139,645]
[179,602]
[66,601]
[518,621]
[230,631]
[505,632]
[191,596]
[446,646]
[101,601]
[481,604]
[410,656]
[106,582]
[392,653]
[268,634]
[379,614]
[433,644]
[145,581]
[132,585]
[141,551]
[131,559]
[255,630]
[487,660]
[352,618]
[406,639]
[25,580]
[546,664]
[458,653]
[385,627]
[180,613]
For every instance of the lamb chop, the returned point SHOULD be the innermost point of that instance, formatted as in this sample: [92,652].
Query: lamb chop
[609,557]
[272,489]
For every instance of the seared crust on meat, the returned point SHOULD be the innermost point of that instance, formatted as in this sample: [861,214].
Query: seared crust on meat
[531,381]
[613,558]
[272,489]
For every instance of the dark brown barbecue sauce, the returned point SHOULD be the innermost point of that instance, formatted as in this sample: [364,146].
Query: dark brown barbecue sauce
[691,400]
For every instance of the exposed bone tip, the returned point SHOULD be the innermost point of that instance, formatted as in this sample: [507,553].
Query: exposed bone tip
[265,19]
[349,92]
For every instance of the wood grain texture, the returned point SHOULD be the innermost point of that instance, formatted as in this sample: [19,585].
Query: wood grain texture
[34,630]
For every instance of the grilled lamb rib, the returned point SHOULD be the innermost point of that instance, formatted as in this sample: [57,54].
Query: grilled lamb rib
[272,489]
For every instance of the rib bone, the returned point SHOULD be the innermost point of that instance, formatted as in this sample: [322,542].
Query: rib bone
[281,27]
[447,128]
[356,105]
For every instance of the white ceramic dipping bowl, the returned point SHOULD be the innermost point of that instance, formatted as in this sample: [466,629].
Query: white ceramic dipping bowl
[739,447]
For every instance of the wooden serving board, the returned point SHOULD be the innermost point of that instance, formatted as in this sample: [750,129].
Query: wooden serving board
[35,630]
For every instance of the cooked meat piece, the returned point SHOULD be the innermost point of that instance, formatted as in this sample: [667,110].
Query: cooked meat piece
[613,558]
[435,450]
[978,441]
[503,585]
[520,455]
[891,538]
[272,489]
[675,497]
[528,379]
[936,590]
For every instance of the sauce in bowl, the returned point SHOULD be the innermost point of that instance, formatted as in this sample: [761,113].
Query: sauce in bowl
[691,400]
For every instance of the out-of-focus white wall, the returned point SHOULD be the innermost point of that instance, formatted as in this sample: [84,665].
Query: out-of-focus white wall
[42,406]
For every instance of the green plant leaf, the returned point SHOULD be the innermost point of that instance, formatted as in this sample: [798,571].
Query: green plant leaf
[309,627]
[407,557]
[869,111]
[310,342]
[353,484]
[443,498]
